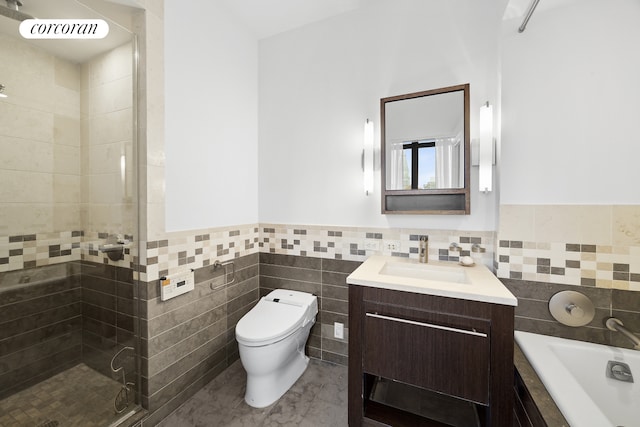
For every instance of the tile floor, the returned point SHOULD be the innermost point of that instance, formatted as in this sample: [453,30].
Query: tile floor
[318,398]
[77,397]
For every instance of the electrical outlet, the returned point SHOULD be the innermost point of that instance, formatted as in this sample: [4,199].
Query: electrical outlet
[338,330]
[391,245]
[372,245]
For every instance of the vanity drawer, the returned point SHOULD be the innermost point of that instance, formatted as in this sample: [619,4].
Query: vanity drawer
[441,352]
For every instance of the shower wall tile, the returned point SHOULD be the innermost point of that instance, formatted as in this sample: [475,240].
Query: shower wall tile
[40,320]
[108,316]
[67,74]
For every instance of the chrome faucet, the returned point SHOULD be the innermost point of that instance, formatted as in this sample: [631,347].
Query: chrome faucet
[423,251]
[616,325]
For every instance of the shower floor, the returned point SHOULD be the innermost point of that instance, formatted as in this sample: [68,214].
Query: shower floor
[78,396]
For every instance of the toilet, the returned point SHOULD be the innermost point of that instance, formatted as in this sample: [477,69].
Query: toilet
[271,339]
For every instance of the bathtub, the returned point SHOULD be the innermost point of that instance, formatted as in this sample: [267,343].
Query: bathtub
[575,375]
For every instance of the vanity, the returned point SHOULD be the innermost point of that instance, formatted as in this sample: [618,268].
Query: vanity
[429,345]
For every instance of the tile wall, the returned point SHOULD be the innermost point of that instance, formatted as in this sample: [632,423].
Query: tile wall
[39,141]
[40,325]
[182,250]
[585,245]
[54,317]
[323,277]
[190,339]
[108,318]
[532,312]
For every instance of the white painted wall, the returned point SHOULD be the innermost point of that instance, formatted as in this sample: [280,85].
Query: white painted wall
[570,100]
[319,83]
[211,118]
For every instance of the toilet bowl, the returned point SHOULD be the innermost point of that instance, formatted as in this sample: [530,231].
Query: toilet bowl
[271,339]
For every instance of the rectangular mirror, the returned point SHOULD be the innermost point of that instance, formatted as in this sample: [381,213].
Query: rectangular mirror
[425,152]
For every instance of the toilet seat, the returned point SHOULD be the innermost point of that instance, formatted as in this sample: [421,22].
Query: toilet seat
[275,317]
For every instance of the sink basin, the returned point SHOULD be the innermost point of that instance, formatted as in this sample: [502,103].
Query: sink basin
[447,279]
[425,271]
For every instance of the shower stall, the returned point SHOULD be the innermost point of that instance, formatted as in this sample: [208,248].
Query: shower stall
[69,341]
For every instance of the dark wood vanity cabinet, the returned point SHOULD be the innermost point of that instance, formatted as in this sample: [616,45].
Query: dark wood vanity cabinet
[459,352]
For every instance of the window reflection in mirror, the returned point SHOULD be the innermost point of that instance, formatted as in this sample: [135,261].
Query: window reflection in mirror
[425,148]
[424,142]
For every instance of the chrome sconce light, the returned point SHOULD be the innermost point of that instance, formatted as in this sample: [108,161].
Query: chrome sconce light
[367,157]
[2,94]
[485,148]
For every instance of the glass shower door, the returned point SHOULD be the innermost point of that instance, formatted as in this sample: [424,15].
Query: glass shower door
[68,224]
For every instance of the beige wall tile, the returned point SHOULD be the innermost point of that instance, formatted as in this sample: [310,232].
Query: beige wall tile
[595,224]
[25,187]
[66,217]
[105,158]
[66,130]
[25,123]
[626,225]
[25,155]
[517,222]
[111,66]
[115,126]
[557,223]
[66,188]
[67,74]
[66,159]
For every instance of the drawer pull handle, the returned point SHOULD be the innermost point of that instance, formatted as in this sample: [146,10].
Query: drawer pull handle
[428,325]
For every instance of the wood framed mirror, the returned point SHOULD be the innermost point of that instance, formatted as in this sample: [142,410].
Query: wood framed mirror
[425,152]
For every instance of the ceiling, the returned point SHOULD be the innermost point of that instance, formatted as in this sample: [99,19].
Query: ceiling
[518,8]
[266,18]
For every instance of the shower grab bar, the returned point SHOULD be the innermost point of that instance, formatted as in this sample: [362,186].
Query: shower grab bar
[534,3]
[216,265]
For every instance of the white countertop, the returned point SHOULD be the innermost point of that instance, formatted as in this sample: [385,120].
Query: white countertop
[441,278]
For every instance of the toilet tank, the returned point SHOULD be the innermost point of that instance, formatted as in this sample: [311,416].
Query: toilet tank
[300,299]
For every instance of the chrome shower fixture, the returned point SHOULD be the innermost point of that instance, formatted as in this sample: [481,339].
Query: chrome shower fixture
[2,94]
[12,10]
[14,4]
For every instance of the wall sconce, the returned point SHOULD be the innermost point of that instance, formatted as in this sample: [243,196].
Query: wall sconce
[485,152]
[2,94]
[367,157]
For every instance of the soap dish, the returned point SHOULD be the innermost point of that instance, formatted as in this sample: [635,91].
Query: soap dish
[467,264]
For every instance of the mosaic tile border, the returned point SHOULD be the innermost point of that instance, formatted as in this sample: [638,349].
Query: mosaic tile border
[182,250]
[602,266]
[39,249]
[179,251]
[356,244]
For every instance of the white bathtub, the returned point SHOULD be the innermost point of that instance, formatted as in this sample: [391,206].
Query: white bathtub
[574,373]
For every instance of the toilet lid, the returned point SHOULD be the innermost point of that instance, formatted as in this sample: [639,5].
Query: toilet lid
[269,321]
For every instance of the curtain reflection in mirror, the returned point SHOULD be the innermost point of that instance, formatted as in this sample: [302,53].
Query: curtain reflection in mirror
[426,164]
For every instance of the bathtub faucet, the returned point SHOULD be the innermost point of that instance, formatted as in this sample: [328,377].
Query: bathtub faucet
[616,325]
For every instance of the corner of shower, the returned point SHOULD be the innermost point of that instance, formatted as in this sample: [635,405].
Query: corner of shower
[69,244]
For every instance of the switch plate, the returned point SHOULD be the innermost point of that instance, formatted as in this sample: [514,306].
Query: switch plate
[338,330]
[176,284]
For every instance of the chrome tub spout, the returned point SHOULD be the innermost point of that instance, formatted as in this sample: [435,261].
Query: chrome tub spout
[616,325]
